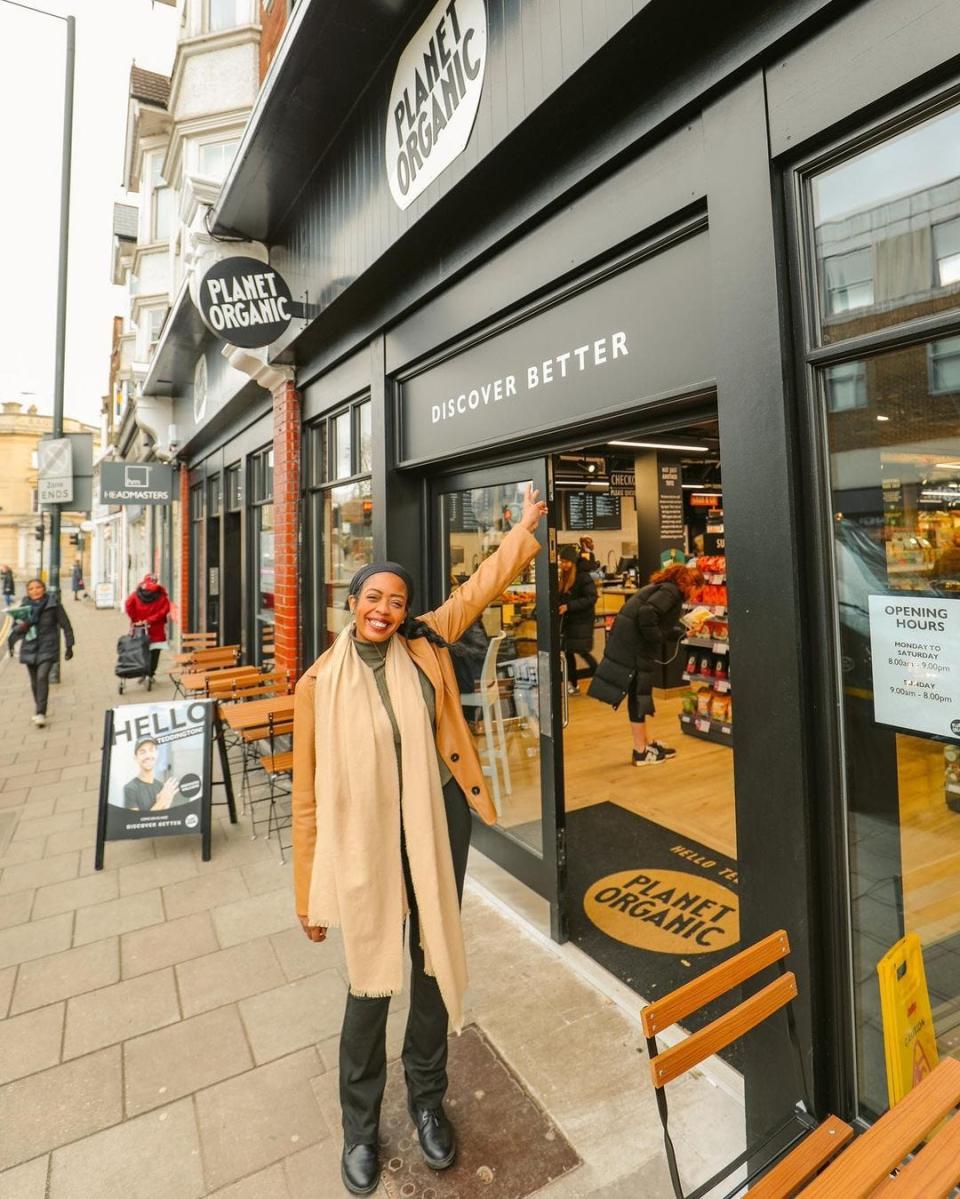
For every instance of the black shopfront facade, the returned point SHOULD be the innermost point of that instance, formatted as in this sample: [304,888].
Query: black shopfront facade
[664,215]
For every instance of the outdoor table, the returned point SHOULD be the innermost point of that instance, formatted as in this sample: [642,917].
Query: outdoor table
[197,679]
[257,713]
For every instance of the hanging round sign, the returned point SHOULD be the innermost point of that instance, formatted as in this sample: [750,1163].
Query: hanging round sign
[245,302]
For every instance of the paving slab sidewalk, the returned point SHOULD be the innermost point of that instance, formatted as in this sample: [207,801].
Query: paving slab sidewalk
[166,1030]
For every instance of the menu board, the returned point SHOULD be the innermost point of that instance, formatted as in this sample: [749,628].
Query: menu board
[461,517]
[590,510]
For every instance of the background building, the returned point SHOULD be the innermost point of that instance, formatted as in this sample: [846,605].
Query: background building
[20,431]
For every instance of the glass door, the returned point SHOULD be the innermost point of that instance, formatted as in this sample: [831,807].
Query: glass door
[508,673]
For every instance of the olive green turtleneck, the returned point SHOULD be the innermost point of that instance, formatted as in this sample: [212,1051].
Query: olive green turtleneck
[374,655]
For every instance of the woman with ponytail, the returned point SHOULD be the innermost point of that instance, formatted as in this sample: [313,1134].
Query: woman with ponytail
[385,774]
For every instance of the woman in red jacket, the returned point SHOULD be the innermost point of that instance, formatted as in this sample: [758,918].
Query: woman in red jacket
[149,606]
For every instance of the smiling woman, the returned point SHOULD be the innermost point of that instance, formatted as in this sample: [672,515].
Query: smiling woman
[385,823]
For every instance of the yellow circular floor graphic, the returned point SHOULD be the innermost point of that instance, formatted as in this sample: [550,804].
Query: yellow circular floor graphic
[667,911]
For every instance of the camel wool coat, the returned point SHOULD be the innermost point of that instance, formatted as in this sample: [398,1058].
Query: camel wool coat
[453,738]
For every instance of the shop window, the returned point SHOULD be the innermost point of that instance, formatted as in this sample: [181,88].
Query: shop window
[214,494]
[348,545]
[846,386]
[945,366]
[881,217]
[234,482]
[365,447]
[895,499]
[342,445]
[196,503]
[215,159]
[848,281]
[261,476]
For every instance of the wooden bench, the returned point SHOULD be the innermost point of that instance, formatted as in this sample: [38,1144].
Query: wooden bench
[863,1171]
[811,1147]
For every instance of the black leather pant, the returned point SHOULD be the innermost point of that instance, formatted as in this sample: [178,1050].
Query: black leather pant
[363,1038]
[40,685]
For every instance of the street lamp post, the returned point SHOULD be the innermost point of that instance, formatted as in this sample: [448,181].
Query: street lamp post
[61,342]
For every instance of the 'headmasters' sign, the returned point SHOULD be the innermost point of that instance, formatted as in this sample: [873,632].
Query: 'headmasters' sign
[435,96]
[245,302]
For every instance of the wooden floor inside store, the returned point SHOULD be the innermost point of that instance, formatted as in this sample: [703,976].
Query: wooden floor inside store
[692,794]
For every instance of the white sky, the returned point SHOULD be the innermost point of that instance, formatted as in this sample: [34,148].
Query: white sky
[110,36]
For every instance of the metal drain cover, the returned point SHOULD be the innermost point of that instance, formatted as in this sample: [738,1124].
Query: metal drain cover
[508,1147]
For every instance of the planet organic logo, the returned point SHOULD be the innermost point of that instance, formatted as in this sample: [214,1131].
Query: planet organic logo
[666,911]
[435,96]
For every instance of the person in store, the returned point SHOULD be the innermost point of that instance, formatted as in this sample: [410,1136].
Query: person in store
[148,607]
[144,793]
[38,622]
[577,596]
[644,633]
[384,776]
[76,579]
[587,553]
[8,586]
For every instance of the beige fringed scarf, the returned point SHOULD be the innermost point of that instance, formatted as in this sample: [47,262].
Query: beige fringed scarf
[357,879]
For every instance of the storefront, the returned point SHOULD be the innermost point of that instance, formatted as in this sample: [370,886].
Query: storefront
[659,264]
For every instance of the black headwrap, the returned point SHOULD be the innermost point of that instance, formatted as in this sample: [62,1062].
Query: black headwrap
[411,627]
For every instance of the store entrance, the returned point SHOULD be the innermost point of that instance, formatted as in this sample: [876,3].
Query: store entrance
[648,796]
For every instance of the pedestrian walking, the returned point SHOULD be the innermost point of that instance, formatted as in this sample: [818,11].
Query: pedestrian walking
[76,579]
[381,832]
[7,585]
[148,607]
[641,634]
[38,621]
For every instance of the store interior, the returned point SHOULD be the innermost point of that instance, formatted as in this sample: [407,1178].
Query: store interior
[630,504]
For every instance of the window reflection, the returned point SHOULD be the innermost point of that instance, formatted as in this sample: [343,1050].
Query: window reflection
[895,486]
[347,544]
[887,231]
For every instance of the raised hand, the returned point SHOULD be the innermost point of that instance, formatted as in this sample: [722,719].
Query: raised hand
[534,509]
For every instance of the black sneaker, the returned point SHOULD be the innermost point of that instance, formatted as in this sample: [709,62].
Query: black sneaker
[650,756]
[667,750]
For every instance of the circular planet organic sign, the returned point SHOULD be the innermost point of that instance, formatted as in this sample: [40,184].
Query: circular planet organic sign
[245,302]
[666,911]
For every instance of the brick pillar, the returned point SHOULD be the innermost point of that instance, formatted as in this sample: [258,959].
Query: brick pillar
[286,518]
[183,598]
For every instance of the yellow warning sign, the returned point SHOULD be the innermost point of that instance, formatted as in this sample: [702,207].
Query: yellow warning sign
[909,1040]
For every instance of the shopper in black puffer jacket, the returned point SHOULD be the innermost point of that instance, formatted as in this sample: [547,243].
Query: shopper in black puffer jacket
[37,623]
[577,605]
[640,638]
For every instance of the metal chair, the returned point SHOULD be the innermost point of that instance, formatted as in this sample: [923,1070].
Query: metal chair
[487,700]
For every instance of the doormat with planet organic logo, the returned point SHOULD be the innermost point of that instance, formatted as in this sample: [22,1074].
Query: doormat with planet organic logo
[652,907]
[507,1146]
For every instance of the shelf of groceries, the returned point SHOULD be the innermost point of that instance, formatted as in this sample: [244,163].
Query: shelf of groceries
[707,704]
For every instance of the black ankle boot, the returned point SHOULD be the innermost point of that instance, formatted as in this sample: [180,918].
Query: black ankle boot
[436,1136]
[360,1169]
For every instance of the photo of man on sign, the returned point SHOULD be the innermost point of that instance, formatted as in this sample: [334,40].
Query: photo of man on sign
[145,792]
